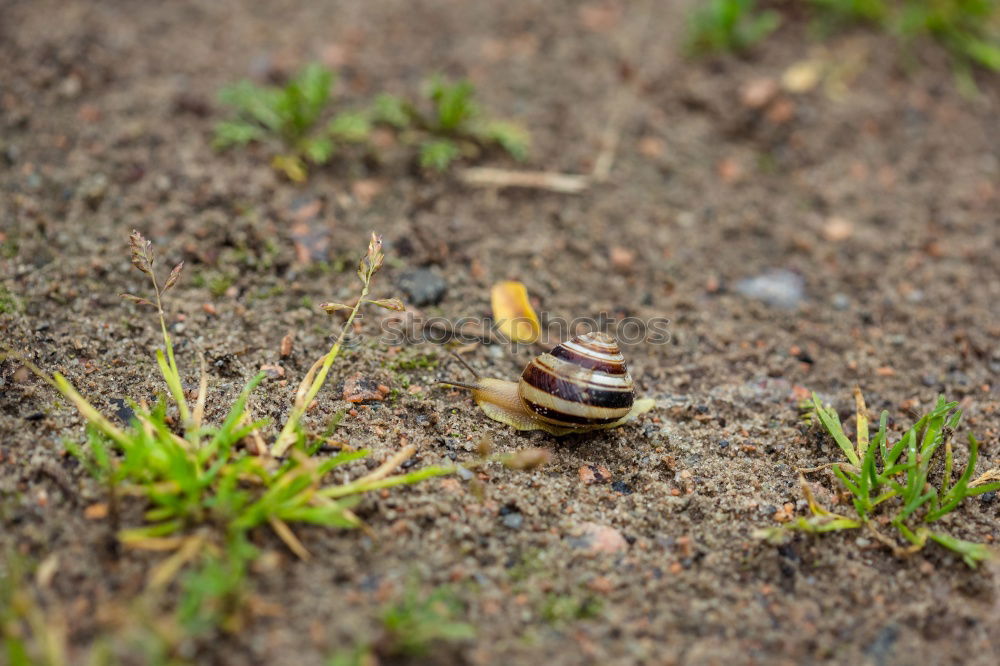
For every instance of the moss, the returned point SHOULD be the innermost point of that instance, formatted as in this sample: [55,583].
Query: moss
[414,362]
[8,302]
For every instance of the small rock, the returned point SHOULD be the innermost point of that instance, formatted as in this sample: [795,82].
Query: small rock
[837,229]
[286,345]
[513,520]
[730,171]
[778,288]
[423,286]
[601,585]
[622,258]
[360,389]
[651,146]
[622,487]
[272,371]
[596,539]
[758,93]
[71,86]
[590,474]
[123,411]
[841,302]
[209,309]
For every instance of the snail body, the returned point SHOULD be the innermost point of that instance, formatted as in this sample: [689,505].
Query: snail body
[580,385]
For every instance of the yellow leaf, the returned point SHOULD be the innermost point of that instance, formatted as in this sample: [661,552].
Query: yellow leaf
[291,166]
[514,315]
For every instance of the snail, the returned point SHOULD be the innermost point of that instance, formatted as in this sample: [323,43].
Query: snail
[580,385]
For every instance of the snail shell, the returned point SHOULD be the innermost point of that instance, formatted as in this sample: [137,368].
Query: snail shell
[580,385]
[582,382]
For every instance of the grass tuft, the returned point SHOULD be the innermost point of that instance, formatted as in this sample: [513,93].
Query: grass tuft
[205,488]
[909,485]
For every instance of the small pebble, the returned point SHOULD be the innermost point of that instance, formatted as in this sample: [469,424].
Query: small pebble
[778,288]
[272,371]
[597,539]
[590,474]
[286,345]
[422,286]
[622,487]
[360,389]
[513,520]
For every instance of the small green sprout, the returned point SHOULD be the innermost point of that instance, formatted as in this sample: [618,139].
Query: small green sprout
[719,26]
[909,485]
[416,622]
[289,117]
[456,121]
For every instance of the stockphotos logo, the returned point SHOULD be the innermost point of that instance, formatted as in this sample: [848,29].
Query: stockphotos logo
[406,328]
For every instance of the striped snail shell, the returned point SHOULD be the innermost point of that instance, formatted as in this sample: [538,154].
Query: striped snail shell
[580,385]
[582,382]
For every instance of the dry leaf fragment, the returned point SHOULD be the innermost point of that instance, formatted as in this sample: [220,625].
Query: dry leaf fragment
[802,77]
[515,317]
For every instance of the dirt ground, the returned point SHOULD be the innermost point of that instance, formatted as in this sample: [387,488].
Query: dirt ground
[879,187]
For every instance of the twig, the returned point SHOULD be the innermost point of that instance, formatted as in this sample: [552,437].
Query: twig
[286,534]
[609,142]
[388,466]
[563,183]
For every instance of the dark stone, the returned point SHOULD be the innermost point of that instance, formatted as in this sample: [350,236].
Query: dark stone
[422,286]
[880,649]
[622,487]
[123,411]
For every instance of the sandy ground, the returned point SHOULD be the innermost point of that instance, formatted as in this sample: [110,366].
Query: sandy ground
[878,189]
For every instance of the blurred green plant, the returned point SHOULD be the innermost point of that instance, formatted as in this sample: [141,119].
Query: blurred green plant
[719,26]
[290,120]
[416,622]
[969,29]
[289,117]
[30,635]
[891,483]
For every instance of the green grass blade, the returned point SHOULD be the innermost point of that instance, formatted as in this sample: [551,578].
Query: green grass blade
[958,492]
[831,422]
[972,553]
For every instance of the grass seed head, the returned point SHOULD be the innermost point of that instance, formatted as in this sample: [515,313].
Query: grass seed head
[142,252]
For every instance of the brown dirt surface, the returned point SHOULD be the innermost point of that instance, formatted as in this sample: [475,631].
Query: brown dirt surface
[879,188]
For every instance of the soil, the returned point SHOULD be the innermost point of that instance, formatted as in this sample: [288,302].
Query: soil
[879,187]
